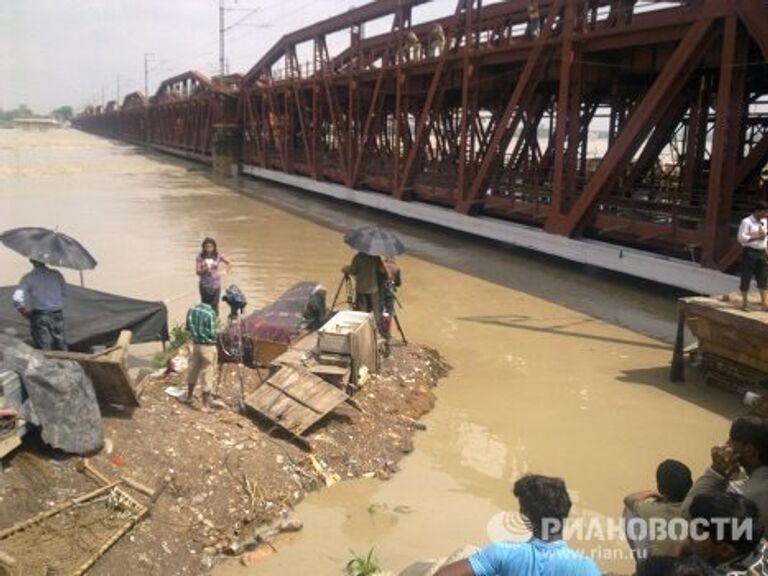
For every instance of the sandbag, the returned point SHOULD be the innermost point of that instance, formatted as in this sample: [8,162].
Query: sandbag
[59,397]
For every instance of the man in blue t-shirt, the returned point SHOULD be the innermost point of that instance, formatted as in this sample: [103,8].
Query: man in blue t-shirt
[545,503]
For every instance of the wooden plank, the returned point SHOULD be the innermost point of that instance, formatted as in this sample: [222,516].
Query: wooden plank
[295,399]
[364,349]
[120,354]
[108,371]
[267,351]
[726,331]
[10,442]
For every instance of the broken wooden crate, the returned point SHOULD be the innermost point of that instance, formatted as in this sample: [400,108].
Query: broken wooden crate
[108,370]
[295,399]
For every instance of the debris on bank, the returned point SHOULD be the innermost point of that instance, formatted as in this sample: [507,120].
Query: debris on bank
[197,488]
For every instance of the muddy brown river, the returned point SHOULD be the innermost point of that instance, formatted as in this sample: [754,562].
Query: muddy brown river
[558,369]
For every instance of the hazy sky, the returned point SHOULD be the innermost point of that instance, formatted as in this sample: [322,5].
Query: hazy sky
[57,52]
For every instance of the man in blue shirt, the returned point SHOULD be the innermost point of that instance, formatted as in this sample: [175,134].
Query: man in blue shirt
[40,298]
[545,503]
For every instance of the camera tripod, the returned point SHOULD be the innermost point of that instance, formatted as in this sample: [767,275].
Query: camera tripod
[346,284]
[232,344]
[388,306]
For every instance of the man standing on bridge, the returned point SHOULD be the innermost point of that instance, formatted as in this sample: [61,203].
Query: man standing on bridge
[753,236]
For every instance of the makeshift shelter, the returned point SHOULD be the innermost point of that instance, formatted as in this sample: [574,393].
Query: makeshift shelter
[94,318]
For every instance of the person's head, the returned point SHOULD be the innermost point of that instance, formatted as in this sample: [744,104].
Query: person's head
[673,480]
[749,441]
[208,248]
[544,501]
[723,526]
[761,209]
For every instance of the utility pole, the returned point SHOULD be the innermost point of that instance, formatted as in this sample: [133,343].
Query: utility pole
[117,98]
[148,56]
[223,29]
[222,63]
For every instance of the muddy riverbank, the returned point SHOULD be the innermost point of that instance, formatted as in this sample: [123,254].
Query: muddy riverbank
[226,475]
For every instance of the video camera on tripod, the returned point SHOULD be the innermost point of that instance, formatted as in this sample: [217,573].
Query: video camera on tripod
[236,301]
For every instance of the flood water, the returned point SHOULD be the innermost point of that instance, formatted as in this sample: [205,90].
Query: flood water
[558,369]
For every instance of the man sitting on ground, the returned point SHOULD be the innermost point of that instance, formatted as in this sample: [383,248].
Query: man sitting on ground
[747,449]
[673,481]
[545,503]
[726,532]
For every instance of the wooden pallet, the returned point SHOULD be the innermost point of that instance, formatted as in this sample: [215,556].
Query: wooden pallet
[295,399]
[723,331]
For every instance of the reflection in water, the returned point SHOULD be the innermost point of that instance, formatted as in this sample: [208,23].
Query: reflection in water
[480,450]
[557,370]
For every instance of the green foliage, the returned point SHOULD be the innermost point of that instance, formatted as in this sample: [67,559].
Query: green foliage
[21,112]
[179,337]
[363,565]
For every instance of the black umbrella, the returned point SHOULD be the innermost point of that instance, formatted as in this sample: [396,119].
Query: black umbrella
[48,246]
[374,241]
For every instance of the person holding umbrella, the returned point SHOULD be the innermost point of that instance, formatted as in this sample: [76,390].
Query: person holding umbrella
[40,299]
[365,270]
[41,293]
[367,267]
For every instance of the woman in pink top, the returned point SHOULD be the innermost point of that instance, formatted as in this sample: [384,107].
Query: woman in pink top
[208,267]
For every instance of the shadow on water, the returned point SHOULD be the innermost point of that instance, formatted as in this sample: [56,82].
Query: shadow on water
[693,390]
[519,322]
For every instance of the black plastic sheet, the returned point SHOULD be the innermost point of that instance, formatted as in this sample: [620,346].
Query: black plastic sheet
[94,318]
[58,397]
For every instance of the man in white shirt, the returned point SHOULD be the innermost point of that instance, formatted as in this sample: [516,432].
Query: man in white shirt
[753,236]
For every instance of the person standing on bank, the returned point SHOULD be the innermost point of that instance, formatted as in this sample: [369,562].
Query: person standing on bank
[201,325]
[208,266]
[40,298]
[753,235]
[365,268]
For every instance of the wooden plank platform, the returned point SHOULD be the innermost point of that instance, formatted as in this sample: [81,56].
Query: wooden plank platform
[295,399]
[724,331]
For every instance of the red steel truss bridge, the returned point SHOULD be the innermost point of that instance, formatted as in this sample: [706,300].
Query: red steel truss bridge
[641,126]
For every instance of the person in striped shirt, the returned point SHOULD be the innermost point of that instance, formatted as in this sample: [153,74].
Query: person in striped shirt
[201,325]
